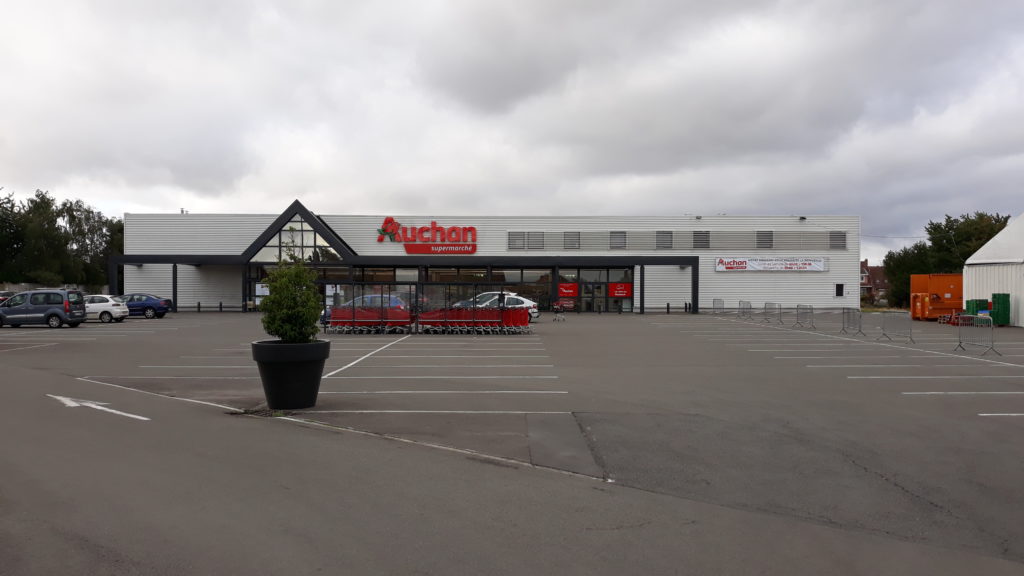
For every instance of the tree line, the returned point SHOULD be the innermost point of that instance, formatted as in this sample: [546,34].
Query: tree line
[47,243]
[950,243]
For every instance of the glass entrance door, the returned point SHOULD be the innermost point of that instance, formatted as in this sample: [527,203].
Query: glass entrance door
[593,297]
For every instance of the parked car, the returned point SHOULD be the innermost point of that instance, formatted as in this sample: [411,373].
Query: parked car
[105,308]
[53,307]
[501,299]
[5,295]
[146,305]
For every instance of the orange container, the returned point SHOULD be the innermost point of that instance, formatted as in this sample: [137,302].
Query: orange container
[935,295]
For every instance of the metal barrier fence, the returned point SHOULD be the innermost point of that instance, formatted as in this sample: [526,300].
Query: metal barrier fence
[853,320]
[717,306]
[897,324]
[745,310]
[772,311]
[805,316]
[976,331]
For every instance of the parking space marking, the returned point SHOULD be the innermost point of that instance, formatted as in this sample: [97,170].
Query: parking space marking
[426,412]
[192,367]
[958,393]
[836,357]
[93,380]
[1000,414]
[454,392]
[888,365]
[29,347]
[490,377]
[472,356]
[942,377]
[462,365]
[354,362]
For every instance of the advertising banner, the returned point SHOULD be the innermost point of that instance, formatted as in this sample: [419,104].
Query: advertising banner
[772,264]
[620,290]
[568,290]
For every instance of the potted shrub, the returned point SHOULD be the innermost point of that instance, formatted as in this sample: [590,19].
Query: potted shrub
[291,366]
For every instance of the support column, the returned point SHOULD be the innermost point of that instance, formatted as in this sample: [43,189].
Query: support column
[174,287]
[642,290]
[695,287]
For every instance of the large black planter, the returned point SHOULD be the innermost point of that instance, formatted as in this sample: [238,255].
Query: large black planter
[290,372]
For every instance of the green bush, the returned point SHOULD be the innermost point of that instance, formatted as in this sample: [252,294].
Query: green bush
[292,309]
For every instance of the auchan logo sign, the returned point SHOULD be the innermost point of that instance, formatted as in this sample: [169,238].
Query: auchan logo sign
[433,239]
[777,264]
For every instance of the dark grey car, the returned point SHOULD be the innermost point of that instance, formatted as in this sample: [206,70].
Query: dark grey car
[52,307]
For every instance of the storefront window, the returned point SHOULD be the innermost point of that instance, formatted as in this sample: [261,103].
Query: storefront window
[568,275]
[267,254]
[407,275]
[378,275]
[507,275]
[443,275]
[620,275]
[336,275]
[472,275]
[537,275]
[593,275]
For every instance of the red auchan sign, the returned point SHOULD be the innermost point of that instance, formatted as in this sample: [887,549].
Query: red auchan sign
[568,290]
[777,264]
[431,239]
[620,290]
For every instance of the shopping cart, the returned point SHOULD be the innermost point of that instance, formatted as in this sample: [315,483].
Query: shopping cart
[559,312]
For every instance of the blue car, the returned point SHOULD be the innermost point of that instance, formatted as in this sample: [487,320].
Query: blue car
[146,305]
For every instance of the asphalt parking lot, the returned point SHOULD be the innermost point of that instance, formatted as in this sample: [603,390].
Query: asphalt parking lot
[911,441]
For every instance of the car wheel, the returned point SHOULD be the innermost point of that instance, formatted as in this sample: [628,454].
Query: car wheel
[15,325]
[149,313]
[105,317]
[53,321]
[74,324]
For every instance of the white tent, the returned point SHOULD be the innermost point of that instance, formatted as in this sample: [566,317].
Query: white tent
[998,268]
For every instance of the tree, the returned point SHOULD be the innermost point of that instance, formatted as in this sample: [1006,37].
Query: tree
[50,244]
[950,244]
[956,239]
[899,265]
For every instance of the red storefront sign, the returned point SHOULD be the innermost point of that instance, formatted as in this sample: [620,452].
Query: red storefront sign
[431,239]
[620,290]
[568,290]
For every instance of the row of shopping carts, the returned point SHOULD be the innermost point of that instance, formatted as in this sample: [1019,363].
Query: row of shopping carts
[376,320]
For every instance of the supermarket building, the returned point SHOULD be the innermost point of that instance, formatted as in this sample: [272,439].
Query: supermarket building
[587,263]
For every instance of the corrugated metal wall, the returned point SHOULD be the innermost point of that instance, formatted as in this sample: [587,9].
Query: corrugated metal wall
[192,233]
[984,280]
[153,279]
[210,285]
[664,285]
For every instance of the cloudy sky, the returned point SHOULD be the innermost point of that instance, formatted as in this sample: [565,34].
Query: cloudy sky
[899,111]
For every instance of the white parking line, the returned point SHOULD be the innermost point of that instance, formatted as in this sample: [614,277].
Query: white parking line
[957,393]
[461,365]
[426,412]
[441,377]
[944,377]
[835,357]
[887,365]
[354,362]
[1000,414]
[473,356]
[29,347]
[453,392]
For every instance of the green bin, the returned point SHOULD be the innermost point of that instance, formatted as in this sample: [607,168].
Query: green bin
[1001,309]
[973,307]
